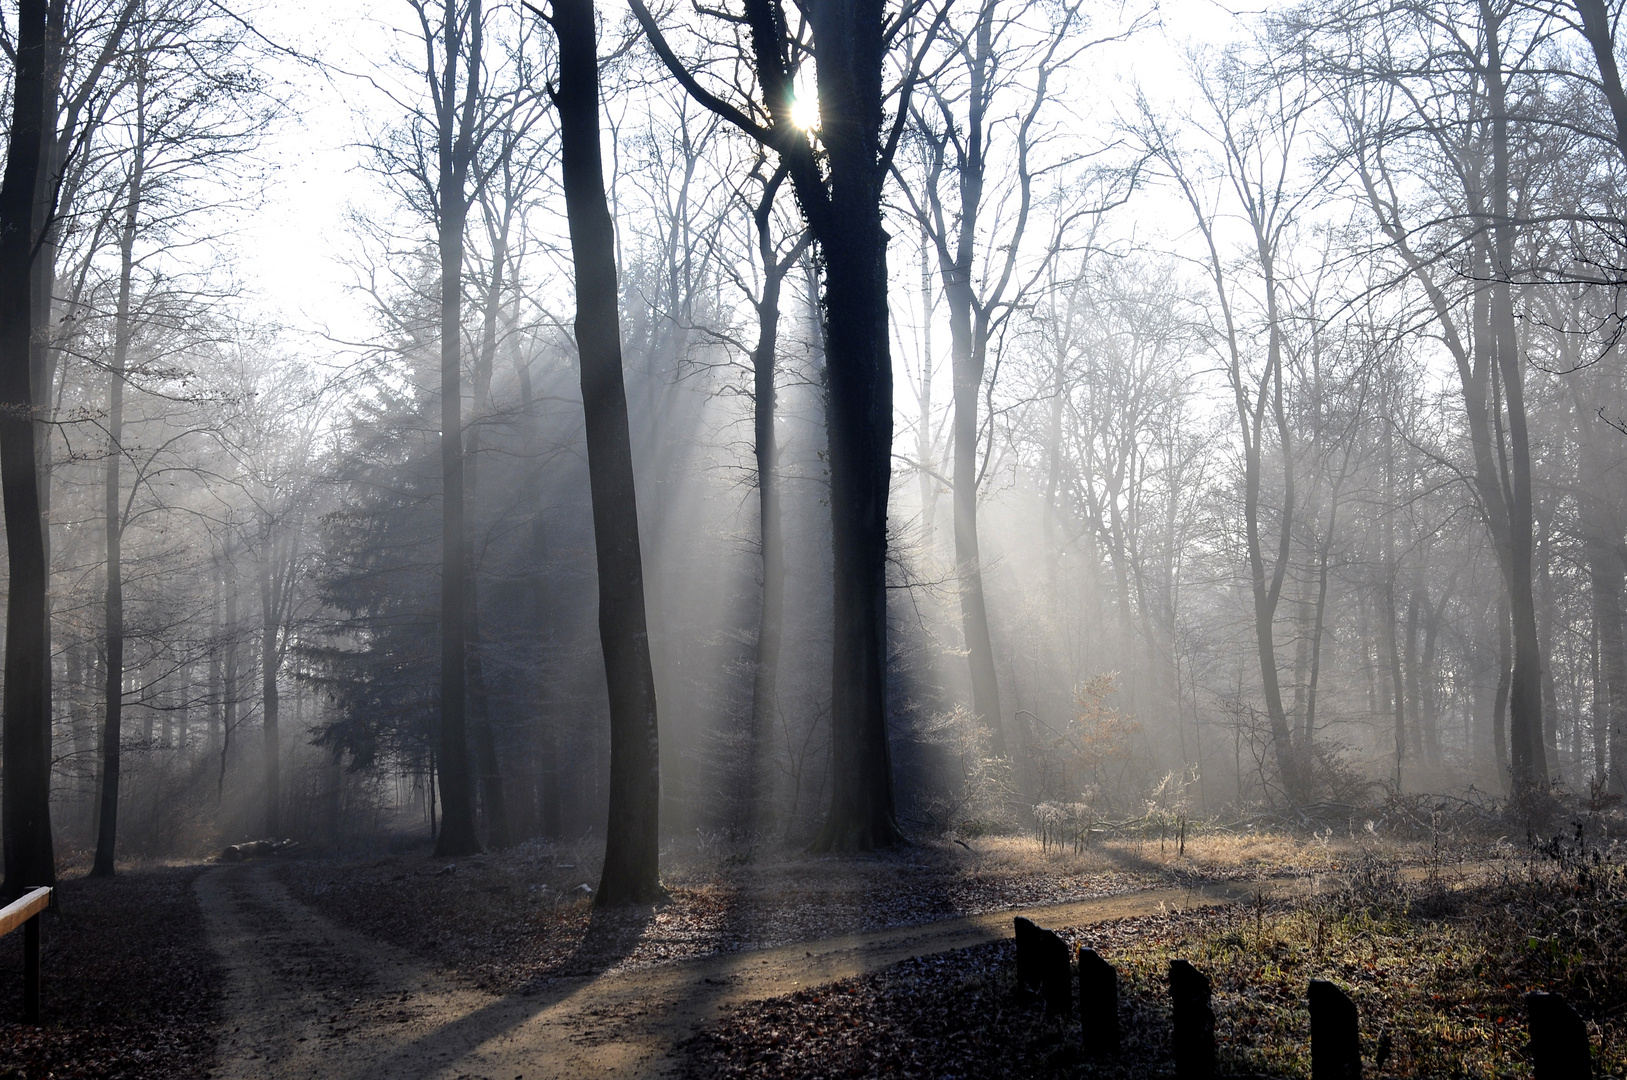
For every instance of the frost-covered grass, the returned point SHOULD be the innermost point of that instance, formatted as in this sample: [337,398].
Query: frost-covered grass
[1437,960]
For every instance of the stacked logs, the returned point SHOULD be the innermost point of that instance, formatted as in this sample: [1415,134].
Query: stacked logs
[1559,1041]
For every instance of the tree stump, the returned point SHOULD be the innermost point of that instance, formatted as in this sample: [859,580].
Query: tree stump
[1194,1022]
[1559,1044]
[1098,1004]
[1335,1042]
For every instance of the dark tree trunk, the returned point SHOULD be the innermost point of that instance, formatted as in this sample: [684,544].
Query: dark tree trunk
[840,196]
[29,857]
[1596,28]
[850,52]
[455,151]
[631,865]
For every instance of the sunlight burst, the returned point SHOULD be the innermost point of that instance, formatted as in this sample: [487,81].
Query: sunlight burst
[805,112]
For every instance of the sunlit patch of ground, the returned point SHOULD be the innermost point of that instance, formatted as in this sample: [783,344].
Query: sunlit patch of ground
[508,918]
[1438,965]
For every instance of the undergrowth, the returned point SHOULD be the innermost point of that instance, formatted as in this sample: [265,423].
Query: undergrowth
[1438,970]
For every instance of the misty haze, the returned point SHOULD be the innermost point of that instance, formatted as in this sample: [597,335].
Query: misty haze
[813,538]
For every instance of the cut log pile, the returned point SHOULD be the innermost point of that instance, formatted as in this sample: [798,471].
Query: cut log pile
[256,849]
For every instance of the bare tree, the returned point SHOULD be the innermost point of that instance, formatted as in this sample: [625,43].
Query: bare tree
[838,172]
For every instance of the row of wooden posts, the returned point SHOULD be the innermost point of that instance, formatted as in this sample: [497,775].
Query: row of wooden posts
[1559,1040]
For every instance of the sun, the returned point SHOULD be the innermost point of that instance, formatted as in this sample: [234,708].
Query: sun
[805,112]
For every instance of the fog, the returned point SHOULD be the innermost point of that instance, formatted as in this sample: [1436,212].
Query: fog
[1255,395]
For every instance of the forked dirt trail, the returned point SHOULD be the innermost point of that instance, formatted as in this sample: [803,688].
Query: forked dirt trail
[308,999]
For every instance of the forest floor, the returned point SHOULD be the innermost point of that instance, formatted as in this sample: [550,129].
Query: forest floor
[130,985]
[783,965]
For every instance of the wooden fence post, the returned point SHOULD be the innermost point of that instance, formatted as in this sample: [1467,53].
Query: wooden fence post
[1027,963]
[1194,1022]
[31,971]
[1042,960]
[1335,1039]
[1098,1004]
[1560,1049]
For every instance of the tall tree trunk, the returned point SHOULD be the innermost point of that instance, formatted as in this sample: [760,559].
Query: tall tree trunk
[1414,740]
[771,534]
[1499,711]
[269,701]
[840,195]
[851,50]
[216,688]
[1613,658]
[493,800]
[925,444]
[1528,761]
[29,857]
[454,152]
[1428,704]
[229,673]
[547,737]
[113,610]
[1398,697]
[1317,625]
[631,866]
[968,337]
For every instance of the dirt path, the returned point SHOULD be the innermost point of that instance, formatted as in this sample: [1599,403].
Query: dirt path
[307,999]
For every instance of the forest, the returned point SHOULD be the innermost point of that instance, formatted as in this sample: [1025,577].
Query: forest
[559,491]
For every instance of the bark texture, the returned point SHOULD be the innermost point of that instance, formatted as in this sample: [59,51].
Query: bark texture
[631,862]
[26,714]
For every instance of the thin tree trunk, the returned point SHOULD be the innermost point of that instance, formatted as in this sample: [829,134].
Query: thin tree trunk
[547,739]
[229,703]
[1499,711]
[771,617]
[631,866]
[925,445]
[270,703]
[493,800]
[1414,739]
[113,613]
[1428,707]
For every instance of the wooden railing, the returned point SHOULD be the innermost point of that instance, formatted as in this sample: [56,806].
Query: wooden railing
[25,912]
